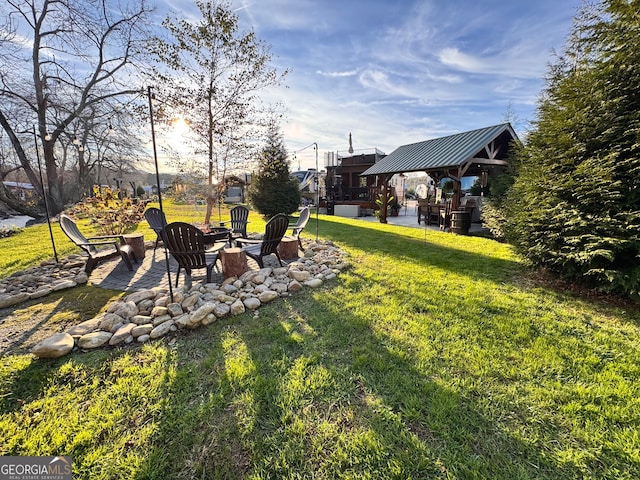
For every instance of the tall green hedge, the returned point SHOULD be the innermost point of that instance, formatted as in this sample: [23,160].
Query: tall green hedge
[575,205]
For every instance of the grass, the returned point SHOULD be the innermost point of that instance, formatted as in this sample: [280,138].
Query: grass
[430,358]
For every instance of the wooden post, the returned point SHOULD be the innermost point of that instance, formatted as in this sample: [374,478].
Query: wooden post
[136,241]
[234,262]
[288,248]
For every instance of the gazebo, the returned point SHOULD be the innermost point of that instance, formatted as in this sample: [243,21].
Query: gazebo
[476,153]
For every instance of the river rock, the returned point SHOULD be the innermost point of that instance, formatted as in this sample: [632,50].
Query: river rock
[137,297]
[237,308]
[11,300]
[140,330]
[55,346]
[127,310]
[94,339]
[251,303]
[161,330]
[221,310]
[299,275]
[268,296]
[122,334]
[85,327]
[313,283]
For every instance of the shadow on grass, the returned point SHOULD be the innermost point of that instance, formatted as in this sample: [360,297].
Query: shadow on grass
[409,243]
[27,323]
[45,316]
[312,388]
[305,392]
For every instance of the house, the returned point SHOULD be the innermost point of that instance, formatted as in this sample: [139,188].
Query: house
[22,190]
[344,182]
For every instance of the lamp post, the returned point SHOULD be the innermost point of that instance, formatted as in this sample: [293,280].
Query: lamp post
[155,160]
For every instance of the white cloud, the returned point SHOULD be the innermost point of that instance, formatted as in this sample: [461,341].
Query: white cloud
[349,73]
[454,58]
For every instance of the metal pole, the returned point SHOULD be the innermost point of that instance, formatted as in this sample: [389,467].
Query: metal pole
[155,159]
[317,189]
[44,194]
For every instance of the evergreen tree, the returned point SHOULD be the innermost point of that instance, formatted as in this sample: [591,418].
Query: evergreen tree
[274,190]
[575,207]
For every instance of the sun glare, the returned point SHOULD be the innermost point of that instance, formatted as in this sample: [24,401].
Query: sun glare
[180,126]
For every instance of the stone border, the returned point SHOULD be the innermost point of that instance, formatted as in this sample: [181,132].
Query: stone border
[36,282]
[150,314]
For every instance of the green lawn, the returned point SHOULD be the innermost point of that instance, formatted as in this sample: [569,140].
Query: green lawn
[429,358]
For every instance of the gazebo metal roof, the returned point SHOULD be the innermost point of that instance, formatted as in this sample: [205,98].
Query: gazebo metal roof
[458,152]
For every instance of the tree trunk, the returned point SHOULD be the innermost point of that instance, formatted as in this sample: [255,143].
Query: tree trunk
[56,203]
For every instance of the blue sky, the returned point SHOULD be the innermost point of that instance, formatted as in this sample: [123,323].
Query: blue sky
[393,73]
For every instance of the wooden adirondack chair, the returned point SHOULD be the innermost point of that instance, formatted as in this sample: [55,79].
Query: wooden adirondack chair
[186,244]
[112,245]
[157,221]
[273,233]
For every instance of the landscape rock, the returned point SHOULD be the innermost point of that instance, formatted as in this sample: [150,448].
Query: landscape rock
[122,334]
[150,313]
[85,327]
[314,283]
[140,330]
[221,310]
[203,311]
[268,296]
[55,346]
[11,300]
[137,297]
[299,275]
[127,310]
[237,307]
[252,303]
[161,330]
[94,339]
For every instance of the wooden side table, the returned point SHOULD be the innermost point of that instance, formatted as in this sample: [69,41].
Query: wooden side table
[234,262]
[288,248]
[136,242]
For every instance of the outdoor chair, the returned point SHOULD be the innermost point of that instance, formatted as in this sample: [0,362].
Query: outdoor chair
[186,244]
[303,219]
[239,220]
[445,215]
[273,233]
[468,205]
[433,214]
[113,245]
[157,221]
[423,209]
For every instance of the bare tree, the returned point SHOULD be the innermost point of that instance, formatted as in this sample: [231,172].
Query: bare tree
[66,57]
[216,72]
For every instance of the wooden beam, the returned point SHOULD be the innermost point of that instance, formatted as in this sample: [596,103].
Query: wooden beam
[487,161]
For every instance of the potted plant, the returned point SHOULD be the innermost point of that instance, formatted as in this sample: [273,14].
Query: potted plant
[393,207]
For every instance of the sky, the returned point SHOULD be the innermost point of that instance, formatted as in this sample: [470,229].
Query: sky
[398,72]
